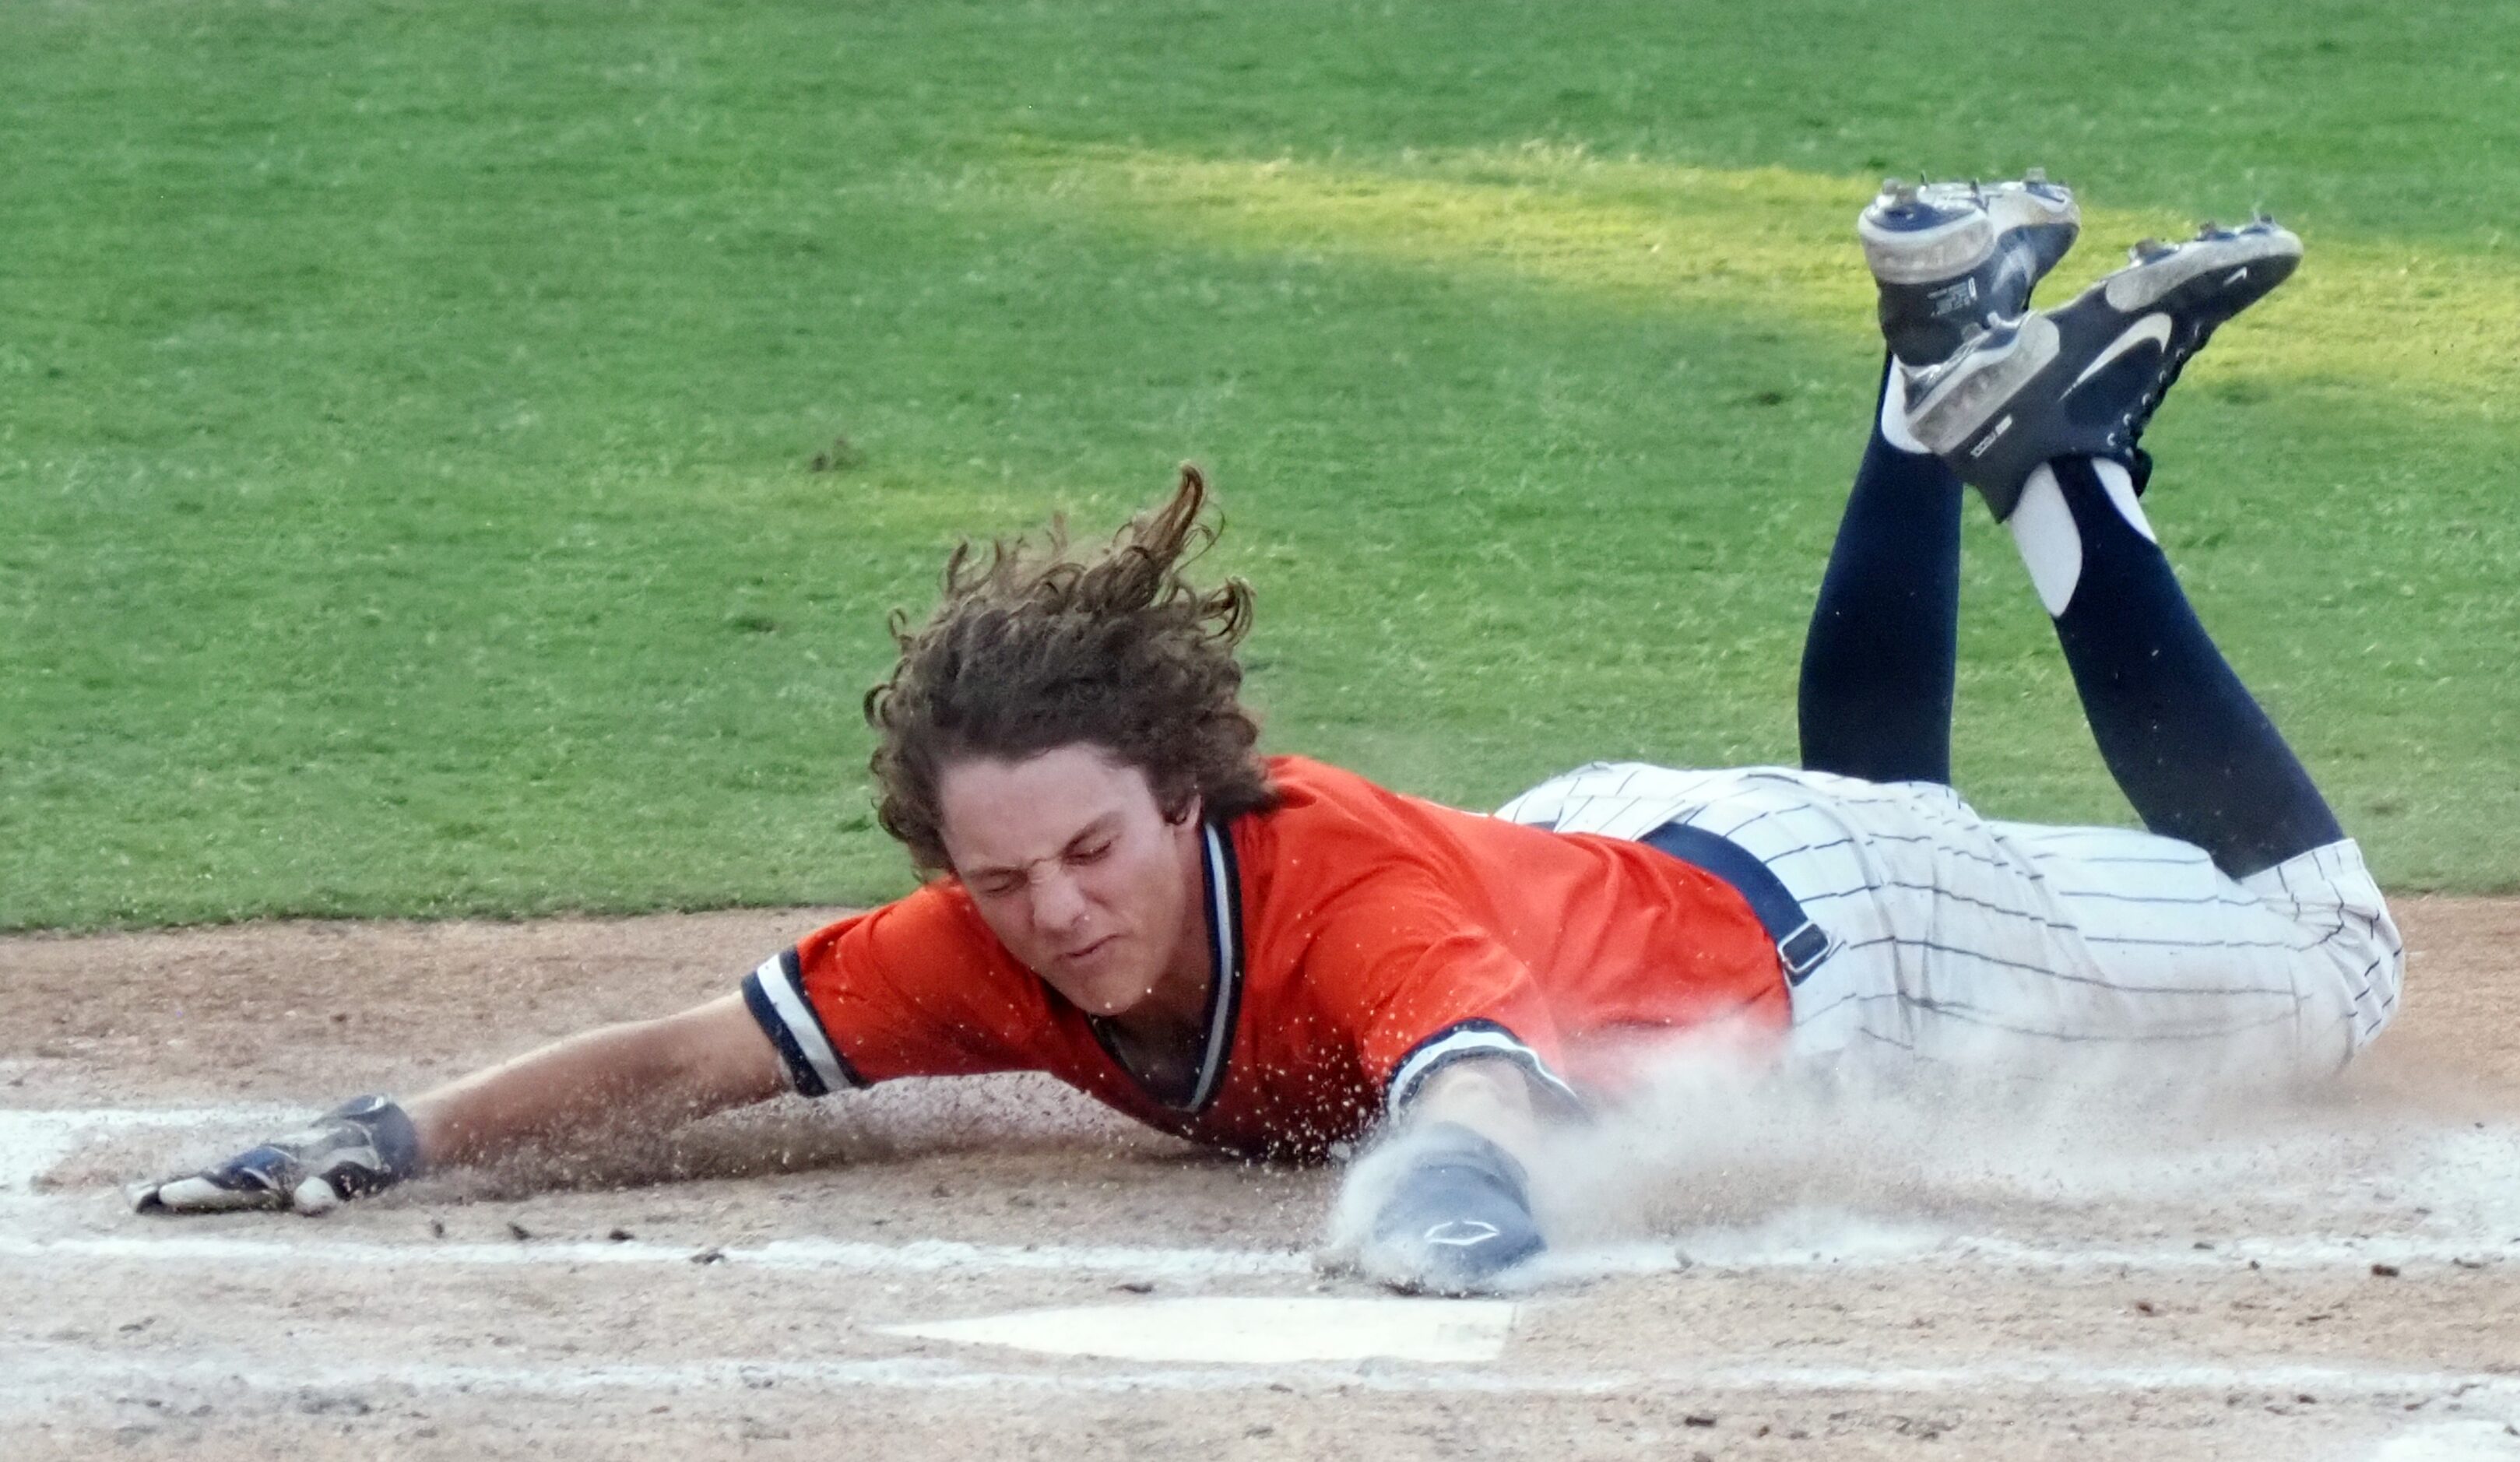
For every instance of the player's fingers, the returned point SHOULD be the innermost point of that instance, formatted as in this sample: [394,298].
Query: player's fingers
[1393,1268]
[205,1193]
[314,1196]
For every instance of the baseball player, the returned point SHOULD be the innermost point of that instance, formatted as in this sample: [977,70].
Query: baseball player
[1274,955]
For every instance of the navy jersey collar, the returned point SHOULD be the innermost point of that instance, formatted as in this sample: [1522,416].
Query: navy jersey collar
[1221,887]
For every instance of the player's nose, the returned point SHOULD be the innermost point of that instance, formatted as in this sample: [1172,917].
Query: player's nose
[1058,904]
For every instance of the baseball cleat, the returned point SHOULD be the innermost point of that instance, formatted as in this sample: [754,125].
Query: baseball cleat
[2084,378]
[1953,258]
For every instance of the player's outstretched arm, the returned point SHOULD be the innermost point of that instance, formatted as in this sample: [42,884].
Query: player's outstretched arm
[1457,1214]
[631,1079]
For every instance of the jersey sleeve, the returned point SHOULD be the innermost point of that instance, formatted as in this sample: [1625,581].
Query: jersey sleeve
[1419,984]
[915,987]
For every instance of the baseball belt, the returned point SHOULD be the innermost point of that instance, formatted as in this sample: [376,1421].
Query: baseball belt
[1801,945]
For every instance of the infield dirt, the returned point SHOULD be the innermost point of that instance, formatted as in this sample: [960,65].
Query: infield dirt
[2335,1275]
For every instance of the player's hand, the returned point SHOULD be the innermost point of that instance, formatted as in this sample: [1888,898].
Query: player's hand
[1457,1219]
[362,1146]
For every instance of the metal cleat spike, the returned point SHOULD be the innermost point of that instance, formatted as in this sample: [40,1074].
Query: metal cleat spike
[2146,249]
[2035,175]
[2208,229]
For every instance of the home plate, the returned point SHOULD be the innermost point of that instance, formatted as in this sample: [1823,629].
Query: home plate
[2453,1441]
[1244,1331]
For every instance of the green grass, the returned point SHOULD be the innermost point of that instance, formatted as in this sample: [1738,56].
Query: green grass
[406,410]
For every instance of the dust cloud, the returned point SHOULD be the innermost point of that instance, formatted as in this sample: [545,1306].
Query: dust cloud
[1733,1160]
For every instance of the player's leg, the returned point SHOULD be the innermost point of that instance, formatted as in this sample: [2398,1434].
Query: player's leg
[1879,661]
[2044,418]
[2244,914]
[1956,939]
[2191,748]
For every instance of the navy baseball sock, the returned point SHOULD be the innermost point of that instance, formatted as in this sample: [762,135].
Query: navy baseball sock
[2188,745]
[1880,659]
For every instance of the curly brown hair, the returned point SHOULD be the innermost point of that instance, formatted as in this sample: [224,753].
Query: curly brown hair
[1035,649]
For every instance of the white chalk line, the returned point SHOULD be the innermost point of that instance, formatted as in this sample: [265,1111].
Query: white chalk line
[32,1140]
[2257,1250]
[919,1256]
[941,1256]
[50,1375]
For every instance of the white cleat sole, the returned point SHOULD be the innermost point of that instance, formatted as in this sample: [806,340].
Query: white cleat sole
[1919,256]
[1922,256]
[2134,291]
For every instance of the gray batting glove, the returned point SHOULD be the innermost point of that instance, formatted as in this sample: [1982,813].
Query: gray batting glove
[363,1146]
[1456,1221]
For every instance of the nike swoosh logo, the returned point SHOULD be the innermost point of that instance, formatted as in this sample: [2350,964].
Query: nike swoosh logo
[2154,327]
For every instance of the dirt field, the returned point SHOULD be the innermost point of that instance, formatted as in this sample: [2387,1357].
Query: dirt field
[2332,1274]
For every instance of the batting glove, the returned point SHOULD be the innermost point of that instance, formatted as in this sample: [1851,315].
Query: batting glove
[1457,1219]
[363,1146]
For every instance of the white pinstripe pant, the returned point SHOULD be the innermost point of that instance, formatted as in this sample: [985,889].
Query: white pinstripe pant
[1956,935]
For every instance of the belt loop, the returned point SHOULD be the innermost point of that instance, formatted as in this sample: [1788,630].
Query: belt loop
[1803,950]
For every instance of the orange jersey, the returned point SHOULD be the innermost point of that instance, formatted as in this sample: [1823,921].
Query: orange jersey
[1361,938]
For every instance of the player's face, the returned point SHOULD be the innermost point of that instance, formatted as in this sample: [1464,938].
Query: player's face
[1079,873]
